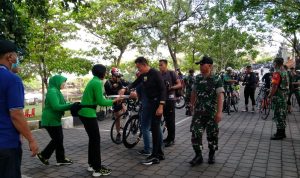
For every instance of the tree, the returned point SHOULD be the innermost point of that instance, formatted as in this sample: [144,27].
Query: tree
[284,15]
[219,37]
[47,28]
[114,24]
[165,24]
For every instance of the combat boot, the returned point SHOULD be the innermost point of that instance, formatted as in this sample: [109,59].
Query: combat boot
[198,159]
[279,135]
[211,156]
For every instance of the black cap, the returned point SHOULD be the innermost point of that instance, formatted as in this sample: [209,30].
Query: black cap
[205,60]
[7,47]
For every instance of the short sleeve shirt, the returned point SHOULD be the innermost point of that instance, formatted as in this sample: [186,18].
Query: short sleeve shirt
[207,90]
[11,97]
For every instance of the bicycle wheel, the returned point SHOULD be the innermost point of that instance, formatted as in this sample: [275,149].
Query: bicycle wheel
[132,133]
[180,102]
[235,103]
[115,137]
[228,103]
[265,108]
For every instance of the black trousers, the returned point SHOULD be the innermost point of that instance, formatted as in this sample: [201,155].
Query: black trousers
[92,130]
[56,144]
[249,92]
[10,162]
[169,116]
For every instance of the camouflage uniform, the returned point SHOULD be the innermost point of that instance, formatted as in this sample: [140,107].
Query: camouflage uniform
[189,81]
[206,90]
[280,97]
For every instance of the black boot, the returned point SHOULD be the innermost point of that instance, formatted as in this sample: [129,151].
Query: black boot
[196,160]
[283,133]
[211,156]
[279,135]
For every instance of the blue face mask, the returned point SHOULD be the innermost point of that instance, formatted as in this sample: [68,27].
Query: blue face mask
[16,65]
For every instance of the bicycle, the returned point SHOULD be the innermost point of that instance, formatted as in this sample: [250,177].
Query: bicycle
[264,103]
[230,100]
[131,106]
[132,133]
[180,102]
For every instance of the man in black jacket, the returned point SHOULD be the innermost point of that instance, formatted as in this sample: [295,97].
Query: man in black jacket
[155,92]
[250,86]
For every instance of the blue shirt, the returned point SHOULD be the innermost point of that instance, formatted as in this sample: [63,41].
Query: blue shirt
[11,97]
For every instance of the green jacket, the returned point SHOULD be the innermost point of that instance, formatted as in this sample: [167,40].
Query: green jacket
[93,95]
[55,103]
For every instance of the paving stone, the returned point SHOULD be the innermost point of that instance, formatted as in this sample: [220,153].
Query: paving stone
[245,150]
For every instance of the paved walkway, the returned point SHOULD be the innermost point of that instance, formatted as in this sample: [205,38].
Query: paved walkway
[245,150]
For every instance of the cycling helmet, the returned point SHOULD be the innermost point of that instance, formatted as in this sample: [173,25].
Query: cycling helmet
[115,72]
[229,68]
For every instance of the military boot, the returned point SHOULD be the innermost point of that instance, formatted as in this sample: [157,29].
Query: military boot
[279,135]
[198,159]
[211,156]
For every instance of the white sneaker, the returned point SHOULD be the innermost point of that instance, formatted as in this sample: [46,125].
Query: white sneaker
[90,169]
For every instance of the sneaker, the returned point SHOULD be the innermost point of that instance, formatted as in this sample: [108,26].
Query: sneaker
[66,161]
[90,169]
[253,110]
[150,161]
[103,171]
[168,144]
[144,153]
[118,138]
[42,159]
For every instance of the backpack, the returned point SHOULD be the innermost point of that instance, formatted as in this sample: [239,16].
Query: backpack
[77,106]
[178,92]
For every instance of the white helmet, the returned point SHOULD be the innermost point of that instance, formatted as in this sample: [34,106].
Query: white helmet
[229,68]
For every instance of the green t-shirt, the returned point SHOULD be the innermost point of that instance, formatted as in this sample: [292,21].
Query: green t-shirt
[93,95]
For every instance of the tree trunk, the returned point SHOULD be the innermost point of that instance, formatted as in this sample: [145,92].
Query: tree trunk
[120,57]
[173,55]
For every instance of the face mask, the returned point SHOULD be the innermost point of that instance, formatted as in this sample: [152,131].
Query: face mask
[16,65]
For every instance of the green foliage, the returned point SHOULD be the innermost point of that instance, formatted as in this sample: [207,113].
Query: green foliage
[114,23]
[264,60]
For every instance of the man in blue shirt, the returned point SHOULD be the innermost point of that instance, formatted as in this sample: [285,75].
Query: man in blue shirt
[12,121]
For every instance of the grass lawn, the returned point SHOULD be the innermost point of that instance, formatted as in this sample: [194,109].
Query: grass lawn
[38,111]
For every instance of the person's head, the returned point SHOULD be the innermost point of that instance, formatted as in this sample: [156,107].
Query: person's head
[163,65]
[99,71]
[206,65]
[8,53]
[58,82]
[248,69]
[115,74]
[142,65]
[229,70]
[191,71]
[278,62]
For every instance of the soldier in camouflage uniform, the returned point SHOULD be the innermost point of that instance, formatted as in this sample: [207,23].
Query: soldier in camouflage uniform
[278,94]
[207,103]
[188,84]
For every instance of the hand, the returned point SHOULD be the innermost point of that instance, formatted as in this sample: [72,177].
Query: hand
[133,95]
[159,110]
[122,91]
[118,100]
[218,117]
[33,148]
